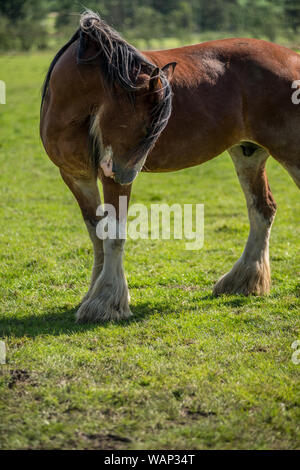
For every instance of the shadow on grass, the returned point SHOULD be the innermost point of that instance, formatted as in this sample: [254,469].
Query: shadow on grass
[237,301]
[61,320]
[228,300]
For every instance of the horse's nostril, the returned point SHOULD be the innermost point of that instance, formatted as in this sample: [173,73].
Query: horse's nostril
[125,177]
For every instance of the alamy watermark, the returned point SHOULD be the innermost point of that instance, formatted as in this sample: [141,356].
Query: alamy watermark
[296,353]
[296,93]
[176,221]
[2,353]
[2,92]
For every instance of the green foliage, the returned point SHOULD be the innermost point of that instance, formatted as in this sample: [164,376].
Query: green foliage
[22,25]
[292,11]
[189,371]
[23,22]
[148,24]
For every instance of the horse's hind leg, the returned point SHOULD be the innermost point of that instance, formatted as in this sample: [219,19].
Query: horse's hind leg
[294,171]
[87,194]
[251,273]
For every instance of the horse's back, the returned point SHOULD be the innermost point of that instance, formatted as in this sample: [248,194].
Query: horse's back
[231,52]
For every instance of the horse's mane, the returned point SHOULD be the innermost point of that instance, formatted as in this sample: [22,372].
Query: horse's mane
[121,64]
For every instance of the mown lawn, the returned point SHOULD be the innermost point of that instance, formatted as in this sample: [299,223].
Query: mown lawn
[189,370]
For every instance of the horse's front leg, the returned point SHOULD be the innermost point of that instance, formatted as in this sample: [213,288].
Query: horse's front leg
[251,273]
[87,194]
[109,297]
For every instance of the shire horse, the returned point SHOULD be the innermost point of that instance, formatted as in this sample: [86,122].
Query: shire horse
[109,111]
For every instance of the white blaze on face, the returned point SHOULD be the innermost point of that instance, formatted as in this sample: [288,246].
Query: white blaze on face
[106,162]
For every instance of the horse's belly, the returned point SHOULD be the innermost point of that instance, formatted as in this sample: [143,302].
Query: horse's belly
[185,153]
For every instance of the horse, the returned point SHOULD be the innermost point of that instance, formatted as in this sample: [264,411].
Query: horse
[110,111]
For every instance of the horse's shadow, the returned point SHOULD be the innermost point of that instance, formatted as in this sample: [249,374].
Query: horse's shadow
[61,320]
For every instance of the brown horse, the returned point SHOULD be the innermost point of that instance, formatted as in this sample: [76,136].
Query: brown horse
[109,111]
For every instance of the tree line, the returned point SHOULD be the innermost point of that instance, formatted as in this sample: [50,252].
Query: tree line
[26,24]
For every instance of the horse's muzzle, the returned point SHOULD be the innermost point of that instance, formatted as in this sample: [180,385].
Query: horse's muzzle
[124,175]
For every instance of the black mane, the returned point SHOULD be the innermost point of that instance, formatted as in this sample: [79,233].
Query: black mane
[121,64]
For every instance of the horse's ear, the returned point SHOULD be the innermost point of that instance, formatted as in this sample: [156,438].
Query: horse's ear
[169,70]
[154,81]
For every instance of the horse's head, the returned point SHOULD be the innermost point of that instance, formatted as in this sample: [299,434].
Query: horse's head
[136,100]
[131,122]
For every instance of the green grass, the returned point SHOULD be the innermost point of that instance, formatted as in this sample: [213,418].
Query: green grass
[189,371]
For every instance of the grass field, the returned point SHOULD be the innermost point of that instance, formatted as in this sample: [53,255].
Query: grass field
[189,370]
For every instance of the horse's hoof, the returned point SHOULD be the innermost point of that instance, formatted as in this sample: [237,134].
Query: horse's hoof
[98,310]
[245,279]
[86,297]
